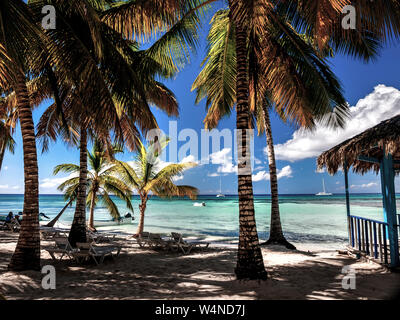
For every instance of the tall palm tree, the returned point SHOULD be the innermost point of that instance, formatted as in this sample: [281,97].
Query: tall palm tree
[107,73]
[147,177]
[20,40]
[255,18]
[219,73]
[250,263]
[102,182]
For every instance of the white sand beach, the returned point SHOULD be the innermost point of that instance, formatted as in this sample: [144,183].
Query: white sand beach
[147,274]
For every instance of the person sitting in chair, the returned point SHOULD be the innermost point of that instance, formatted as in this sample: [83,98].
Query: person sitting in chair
[17,218]
[9,217]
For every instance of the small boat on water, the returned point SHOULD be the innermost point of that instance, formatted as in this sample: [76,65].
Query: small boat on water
[220,194]
[106,223]
[323,193]
[199,204]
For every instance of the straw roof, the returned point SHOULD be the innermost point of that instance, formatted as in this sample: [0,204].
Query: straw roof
[370,143]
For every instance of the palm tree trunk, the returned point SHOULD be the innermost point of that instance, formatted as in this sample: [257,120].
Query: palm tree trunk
[250,264]
[27,253]
[275,234]
[78,228]
[53,222]
[142,208]
[91,215]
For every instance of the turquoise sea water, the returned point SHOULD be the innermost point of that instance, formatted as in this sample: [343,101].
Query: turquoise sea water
[306,219]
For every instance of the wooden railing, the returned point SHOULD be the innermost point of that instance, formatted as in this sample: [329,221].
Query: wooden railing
[369,237]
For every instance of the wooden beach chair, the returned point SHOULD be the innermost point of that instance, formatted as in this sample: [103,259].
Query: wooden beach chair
[62,247]
[97,253]
[187,246]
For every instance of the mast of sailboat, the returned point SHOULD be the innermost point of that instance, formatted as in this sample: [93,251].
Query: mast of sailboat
[323,185]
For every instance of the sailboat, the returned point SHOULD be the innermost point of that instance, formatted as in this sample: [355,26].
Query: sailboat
[323,193]
[220,195]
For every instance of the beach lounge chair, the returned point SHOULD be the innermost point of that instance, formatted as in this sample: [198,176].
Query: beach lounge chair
[99,237]
[97,253]
[63,248]
[155,241]
[50,233]
[144,239]
[186,246]
[13,226]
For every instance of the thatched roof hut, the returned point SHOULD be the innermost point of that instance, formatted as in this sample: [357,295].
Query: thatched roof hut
[371,143]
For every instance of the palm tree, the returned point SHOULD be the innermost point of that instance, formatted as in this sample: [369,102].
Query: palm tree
[147,177]
[102,182]
[220,72]
[20,40]
[107,70]
[70,199]
[253,19]
[250,263]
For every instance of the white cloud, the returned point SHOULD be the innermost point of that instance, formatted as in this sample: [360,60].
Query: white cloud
[224,159]
[320,170]
[49,183]
[285,172]
[221,157]
[178,178]
[227,167]
[189,158]
[6,186]
[5,168]
[260,176]
[383,103]
[213,175]
[365,185]
[264,175]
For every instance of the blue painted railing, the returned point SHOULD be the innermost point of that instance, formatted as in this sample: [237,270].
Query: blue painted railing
[369,237]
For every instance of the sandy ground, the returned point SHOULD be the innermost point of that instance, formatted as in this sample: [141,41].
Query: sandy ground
[145,274]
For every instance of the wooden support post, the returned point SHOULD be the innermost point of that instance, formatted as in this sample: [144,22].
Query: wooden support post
[375,242]
[389,206]
[346,182]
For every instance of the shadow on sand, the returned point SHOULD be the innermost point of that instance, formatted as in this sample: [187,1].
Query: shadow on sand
[145,274]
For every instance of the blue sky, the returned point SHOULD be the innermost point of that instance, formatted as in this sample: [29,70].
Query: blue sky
[376,84]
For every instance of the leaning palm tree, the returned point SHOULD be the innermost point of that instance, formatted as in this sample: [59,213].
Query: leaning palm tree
[102,182]
[146,176]
[69,197]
